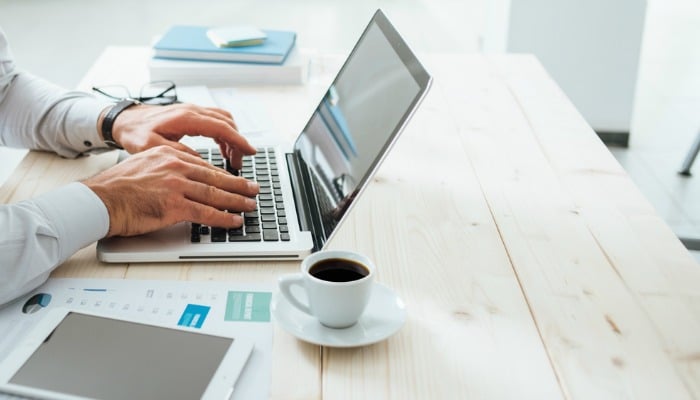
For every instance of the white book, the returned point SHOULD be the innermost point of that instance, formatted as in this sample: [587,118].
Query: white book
[293,71]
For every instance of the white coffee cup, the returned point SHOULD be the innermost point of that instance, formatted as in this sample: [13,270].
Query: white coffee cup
[338,285]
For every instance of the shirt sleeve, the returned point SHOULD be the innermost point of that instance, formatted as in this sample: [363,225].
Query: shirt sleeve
[39,234]
[39,115]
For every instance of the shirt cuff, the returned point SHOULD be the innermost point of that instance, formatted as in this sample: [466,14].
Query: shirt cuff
[78,215]
[82,122]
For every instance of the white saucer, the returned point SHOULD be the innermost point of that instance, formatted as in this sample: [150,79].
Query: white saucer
[384,316]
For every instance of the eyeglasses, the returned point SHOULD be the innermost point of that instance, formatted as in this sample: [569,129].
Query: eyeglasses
[157,93]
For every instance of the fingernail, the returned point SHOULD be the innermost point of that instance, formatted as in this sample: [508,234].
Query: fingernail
[250,203]
[253,186]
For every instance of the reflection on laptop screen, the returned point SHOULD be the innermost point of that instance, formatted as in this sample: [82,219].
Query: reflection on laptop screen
[359,115]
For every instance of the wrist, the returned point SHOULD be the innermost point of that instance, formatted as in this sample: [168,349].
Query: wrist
[103,195]
[109,118]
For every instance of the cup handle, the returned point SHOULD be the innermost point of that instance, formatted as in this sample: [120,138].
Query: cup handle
[285,283]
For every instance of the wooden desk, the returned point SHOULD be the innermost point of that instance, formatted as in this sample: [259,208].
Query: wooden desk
[530,264]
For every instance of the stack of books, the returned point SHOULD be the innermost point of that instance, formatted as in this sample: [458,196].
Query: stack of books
[187,56]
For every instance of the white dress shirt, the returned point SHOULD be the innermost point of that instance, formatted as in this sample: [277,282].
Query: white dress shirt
[37,235]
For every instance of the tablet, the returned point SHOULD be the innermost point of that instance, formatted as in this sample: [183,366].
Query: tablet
[78,355]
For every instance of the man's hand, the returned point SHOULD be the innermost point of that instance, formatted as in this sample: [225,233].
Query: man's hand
[142,127]
[163,186]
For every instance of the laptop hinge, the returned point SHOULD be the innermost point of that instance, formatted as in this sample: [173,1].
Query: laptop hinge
[305,200]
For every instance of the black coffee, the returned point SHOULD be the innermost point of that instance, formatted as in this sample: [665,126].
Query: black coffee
[338,270]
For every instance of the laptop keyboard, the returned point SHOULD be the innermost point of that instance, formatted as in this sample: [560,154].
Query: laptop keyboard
[268,222]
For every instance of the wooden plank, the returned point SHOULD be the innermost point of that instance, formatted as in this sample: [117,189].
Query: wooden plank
[650,262]
[599,339]
[469,332]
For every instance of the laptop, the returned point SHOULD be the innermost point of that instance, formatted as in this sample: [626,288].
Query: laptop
[308,188]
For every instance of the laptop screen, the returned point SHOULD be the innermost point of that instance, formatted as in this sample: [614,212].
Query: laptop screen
[357,120]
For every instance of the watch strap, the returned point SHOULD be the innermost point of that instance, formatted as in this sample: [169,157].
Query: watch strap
[110,117]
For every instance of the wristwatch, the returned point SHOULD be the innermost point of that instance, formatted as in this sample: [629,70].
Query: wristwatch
[108,121]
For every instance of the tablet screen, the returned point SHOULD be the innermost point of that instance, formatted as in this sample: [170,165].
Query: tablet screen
[110,359]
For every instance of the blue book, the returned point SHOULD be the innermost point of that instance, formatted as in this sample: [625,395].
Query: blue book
[191,43]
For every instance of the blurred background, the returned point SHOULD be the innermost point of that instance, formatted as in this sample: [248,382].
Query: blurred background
[652,46]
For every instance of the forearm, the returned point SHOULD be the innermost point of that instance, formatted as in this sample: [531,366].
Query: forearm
[38,115]
[39,234]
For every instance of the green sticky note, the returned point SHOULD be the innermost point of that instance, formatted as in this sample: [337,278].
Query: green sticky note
[248,306]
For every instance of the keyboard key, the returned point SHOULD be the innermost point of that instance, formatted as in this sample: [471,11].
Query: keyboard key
[216,231]
[266,204]
[251,221]
[270,235]
[235,232]
[217,239]
[265,197]
[250,214]
[269,225]
[282,221]
[269,218]
[284,236]
[253,237]
[252,229]
[195,238]
[280,206]
[281,213]
[204,230]
[284,228]
[218,234]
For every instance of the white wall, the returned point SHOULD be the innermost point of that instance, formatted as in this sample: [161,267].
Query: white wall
[591,48]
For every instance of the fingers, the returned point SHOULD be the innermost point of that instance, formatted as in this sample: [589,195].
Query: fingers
[202,214]
[220,199]
[221,114]
[232,154]
[203,122]
[215,177]
[211,191]
[175,145]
